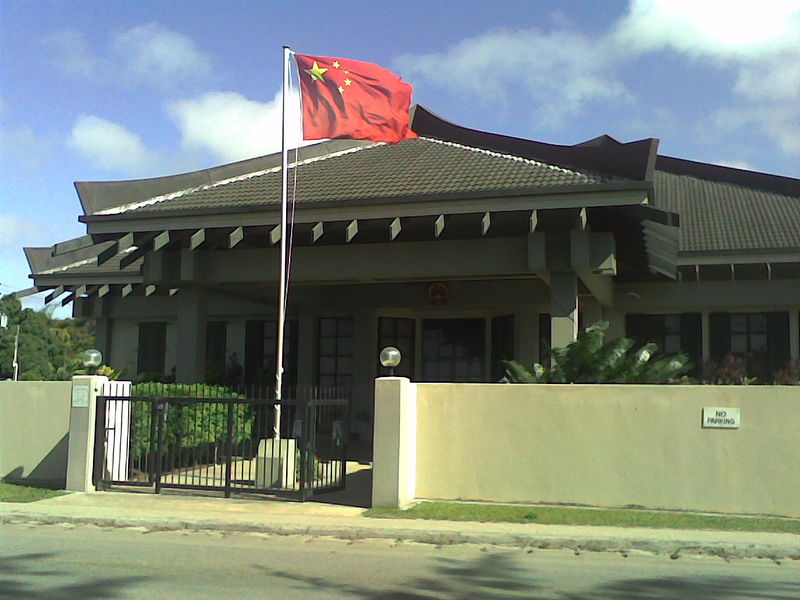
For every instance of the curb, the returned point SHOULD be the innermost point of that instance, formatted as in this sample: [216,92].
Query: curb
[674,548]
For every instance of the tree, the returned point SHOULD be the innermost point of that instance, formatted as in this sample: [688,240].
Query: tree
[48,348]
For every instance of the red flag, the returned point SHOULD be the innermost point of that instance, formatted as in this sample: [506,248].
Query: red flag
[351,99]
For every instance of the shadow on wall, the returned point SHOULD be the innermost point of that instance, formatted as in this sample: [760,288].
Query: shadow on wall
[51,472]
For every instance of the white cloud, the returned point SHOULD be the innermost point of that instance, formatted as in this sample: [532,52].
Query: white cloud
[23,146]
[70,51]
[560,71]
[736,164]
[153,53]
[231,126]
[149,54]
[710,27]
[759,41]
[110,145]
[14,231]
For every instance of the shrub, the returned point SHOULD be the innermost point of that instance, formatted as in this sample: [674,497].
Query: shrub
[590,359]
[789,375]
[189,424]
[731,370]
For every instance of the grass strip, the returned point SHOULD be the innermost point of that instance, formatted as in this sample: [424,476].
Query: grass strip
[25,493]
[558,515]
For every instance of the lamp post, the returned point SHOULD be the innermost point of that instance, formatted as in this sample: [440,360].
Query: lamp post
[92,359]
[390,357]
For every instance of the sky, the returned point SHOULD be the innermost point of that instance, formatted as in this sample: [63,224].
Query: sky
[122,89]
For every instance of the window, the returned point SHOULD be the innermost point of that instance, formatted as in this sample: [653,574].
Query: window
[261,352]
[673,334]
[335,352]
[399,333]
[152,348]
[453,350]
[761,338]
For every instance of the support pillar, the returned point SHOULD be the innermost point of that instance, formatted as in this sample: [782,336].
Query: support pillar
[191,347]
[82,418]
[103,328]
[563,308]
[394,466]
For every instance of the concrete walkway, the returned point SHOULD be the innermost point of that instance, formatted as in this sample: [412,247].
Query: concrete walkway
[184,512]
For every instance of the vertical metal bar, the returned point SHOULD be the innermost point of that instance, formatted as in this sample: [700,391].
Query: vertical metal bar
[160,414]
[228,450]
[152,441]
[99,442]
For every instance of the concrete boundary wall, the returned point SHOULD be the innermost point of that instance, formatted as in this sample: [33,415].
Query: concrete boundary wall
[609,445]
[34,431]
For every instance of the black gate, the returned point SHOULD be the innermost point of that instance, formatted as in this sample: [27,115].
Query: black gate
[223,443]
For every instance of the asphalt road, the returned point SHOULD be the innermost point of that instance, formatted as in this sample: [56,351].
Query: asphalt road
[58,562]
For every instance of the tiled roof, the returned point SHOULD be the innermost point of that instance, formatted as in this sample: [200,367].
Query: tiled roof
[414,168]
[718,216]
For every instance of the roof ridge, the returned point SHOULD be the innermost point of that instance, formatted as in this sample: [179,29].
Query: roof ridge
[741,185]
[208,186]
[513,157]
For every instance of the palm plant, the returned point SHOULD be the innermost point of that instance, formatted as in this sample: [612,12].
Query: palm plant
[592,359]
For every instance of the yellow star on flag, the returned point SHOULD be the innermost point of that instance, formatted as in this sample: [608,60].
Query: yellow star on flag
[317,73]
[348,82]
[336,64]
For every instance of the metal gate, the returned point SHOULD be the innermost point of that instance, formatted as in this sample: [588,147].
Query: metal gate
[223,443]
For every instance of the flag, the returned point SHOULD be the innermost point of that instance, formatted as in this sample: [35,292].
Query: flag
[350,99]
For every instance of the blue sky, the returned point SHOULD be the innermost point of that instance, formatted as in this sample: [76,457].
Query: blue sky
[113,89]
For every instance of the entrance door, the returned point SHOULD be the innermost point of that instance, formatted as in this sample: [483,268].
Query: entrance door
[453,350]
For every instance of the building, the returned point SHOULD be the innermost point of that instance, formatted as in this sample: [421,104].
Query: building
[461,248]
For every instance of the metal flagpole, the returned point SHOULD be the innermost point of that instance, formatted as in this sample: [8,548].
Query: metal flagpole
[276,429]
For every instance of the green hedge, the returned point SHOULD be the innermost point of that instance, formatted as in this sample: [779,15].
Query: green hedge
[189,425]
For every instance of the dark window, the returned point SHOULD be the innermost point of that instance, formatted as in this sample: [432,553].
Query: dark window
[453,350]
[673,334]
[335,352]
[399,333]
[152,348]
[503,344]
[261,352]
[761,338]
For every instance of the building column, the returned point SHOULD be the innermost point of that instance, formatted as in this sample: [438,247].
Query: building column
[794,334]
[191,346]
[394,467]
[82,421]
[705,327]
[563,308]
[103,328]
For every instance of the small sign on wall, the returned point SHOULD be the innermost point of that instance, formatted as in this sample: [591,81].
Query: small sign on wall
[80,395]
[717,417]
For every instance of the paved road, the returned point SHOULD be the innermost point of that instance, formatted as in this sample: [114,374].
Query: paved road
[60,562]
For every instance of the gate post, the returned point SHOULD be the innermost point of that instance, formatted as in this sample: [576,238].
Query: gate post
[82,420]
[394,466]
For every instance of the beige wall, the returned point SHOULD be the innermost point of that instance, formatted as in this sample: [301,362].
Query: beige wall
[34,431]
[610,445]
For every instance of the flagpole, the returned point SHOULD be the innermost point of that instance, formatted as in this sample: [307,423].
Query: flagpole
[276,429]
